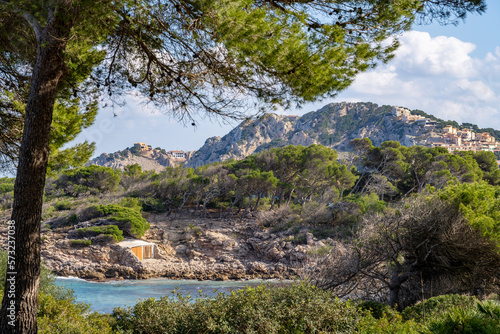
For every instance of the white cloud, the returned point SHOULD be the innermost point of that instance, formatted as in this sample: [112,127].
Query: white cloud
[477,89]
[437,75]
[421,54]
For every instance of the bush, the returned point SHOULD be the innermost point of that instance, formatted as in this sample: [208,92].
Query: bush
[130,202]
[130,220]
[484,318]
[73,219]
[62,205]
[299,308]
[437,306]
[81,243]
[6,192]
[6,185]
[151,204]
[279,219]
[90,179]
[68,317]
[107,230]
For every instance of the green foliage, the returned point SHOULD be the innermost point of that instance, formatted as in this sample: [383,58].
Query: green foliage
[151,204]
[131,202]
[129,219]
[68,317]
[82,243]
[106,230]
[368,203]
[62,205]
[298,308]
[438,306]
[73,219]
[6,185]
[412,169]
[479,203]
[377,310]
[484,318]
[92,179]
[195,229]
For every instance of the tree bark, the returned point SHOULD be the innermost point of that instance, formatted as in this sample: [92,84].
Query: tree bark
[19,305]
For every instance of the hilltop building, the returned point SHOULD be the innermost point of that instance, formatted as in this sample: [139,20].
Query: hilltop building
[142,147]
[177,155]
[454,139]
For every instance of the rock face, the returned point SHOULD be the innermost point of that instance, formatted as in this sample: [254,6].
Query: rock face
[204,249]
[152,160]
[333,126]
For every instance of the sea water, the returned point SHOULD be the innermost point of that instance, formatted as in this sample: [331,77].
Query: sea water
[105,296]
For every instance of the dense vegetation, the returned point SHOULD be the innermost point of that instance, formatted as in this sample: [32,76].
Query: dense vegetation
[411,225]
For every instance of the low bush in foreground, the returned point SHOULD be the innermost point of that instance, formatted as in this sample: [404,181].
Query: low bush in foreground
[302,308]
[299,308]
[56,316]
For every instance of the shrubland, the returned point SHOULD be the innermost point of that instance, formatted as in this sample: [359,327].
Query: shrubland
[416,236]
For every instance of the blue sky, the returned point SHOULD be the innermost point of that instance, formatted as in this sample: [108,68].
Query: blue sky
[452,72]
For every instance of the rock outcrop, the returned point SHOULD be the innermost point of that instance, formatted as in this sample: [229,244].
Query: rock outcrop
[333,126]
[203,249]
[153,159]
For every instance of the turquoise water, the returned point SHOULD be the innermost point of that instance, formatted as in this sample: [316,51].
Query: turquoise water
[104,296]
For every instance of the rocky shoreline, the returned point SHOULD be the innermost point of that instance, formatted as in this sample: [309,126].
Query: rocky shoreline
[187,248]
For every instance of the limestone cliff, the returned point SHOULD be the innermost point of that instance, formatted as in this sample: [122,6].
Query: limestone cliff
[334,126]
[150,159]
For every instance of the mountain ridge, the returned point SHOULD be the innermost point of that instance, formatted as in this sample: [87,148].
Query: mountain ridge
[334,125]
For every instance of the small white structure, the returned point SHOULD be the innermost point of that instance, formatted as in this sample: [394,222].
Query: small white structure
[142,249]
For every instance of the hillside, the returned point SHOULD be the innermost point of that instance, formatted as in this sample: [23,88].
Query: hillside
[145,156]
[333,126]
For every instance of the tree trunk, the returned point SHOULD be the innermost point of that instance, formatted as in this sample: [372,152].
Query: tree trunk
[394,296]
[396,282]
[19,305]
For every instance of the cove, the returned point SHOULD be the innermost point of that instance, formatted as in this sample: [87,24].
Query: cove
[103,297]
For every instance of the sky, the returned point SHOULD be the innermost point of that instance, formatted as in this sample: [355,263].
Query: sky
[451,72]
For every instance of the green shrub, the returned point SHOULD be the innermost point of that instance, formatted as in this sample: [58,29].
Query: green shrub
[130,202]
[437,306]
[389,325]
[68,317]
[323,250]
[151,204]
[377,310]
[128,219]
[6,185]
[484,318]
[298,308]
[106,230]
[62,205]
[81,243]
[73,219]
[89,179]
[195,229]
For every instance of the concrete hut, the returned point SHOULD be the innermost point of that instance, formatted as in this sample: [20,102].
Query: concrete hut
[142,249]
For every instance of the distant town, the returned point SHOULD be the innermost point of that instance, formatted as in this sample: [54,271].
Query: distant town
[451,138]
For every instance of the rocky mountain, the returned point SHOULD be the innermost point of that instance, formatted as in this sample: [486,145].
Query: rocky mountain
[333,126]
[145,156]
